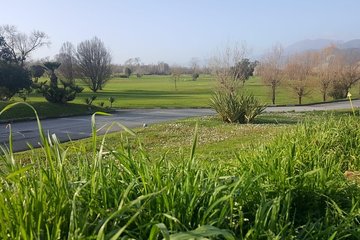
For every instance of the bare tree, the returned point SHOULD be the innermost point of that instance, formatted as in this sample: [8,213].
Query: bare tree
[347,68]
[222,67]
[67,59]
[162,68]
[127,72]
[299,70]
[94,63]
[270,69]
[194,65]
[176,74]
[133,66]
[133,63]
[325,70]
[20,44]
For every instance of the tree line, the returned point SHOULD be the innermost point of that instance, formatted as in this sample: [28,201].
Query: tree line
[331,71]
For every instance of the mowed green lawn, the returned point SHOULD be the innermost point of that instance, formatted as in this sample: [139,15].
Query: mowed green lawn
[159,92]
[153,92]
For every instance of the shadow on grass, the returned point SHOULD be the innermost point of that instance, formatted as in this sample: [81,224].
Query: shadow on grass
[275,121]
[144,94]
[298,117]
[280,118]
[47,110]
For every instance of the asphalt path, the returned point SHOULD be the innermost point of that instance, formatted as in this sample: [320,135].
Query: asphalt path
[316,107]
[72,128]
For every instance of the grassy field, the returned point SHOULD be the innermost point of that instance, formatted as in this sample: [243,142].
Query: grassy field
[159,91]
[152,92]
[280,178]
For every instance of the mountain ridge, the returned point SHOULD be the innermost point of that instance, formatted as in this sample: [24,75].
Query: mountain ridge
[318,44]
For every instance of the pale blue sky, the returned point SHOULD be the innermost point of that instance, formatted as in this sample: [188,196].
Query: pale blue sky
[175,31]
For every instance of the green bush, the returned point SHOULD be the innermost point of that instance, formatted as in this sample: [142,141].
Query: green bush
[119,75]
[13,78]
[195,76]
[52,92]
[90,100]
[111,100]
[55,94]
[235,107]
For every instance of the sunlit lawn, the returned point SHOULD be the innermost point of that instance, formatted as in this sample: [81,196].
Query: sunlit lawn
[159,91]
[154,92]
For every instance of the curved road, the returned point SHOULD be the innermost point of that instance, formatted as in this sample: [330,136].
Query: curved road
[66,128]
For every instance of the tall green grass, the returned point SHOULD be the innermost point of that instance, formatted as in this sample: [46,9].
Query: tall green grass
[291,188]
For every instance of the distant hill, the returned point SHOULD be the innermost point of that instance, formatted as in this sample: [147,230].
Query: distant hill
[350,44]
[317,44]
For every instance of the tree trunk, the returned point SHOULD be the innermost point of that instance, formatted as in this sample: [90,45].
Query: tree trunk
[94,87]
[300,97]
[324,96]
[273,95]
[53,80]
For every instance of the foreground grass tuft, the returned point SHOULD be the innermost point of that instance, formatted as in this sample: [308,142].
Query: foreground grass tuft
[292,187]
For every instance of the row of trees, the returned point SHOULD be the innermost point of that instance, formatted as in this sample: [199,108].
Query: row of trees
[136,67]
[332,71]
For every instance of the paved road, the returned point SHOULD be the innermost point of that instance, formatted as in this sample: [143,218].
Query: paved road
[316,107]
[80,127]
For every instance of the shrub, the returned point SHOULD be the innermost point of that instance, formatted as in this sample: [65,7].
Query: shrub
[338,90]
[12,79]
[101,104]
[235,107]
[127,72]
[119,75]
[4,94]
[24,93]
[90,100]
[195,76]
[54,94]
[111,100]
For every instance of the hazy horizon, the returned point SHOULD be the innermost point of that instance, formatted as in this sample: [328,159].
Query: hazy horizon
[176,31]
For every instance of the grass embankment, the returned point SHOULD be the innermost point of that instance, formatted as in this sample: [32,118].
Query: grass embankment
[46,110]
[293,186]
